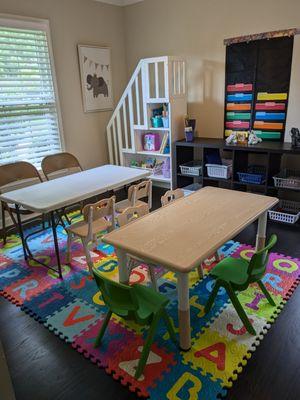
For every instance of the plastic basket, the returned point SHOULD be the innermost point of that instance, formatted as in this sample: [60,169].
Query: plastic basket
[288,178]
[220,171]
[256,174]
[187,190]
[287,211]
[193,168]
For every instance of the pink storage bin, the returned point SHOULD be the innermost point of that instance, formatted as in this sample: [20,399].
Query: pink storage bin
[151,142]
[237,124]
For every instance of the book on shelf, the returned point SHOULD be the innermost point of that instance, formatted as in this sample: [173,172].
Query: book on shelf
[164,144]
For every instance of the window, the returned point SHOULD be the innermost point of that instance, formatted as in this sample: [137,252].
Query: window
[29,115]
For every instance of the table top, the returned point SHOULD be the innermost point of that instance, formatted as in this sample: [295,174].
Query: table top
[184,233]
[61,192]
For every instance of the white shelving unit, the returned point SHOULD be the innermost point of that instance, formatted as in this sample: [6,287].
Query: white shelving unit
[155,82]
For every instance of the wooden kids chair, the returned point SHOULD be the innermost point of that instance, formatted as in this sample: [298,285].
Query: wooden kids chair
[94,221]
[135,193]
[171,195]
[138,303]
[130,214]
[236,274]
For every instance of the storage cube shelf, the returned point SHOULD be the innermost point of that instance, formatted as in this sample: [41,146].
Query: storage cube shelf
[268,154]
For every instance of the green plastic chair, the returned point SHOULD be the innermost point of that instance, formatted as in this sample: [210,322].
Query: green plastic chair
[138,303]
[235,274]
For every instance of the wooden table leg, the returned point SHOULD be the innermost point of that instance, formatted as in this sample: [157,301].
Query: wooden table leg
[184,311]
[123,270]
[261,231]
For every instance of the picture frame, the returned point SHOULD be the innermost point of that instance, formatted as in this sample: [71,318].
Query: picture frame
[96,77]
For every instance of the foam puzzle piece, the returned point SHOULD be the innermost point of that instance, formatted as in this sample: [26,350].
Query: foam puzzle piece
[122,366]
[71,319]
[184,383]
[27,287]
[254,302]
[5,261]
[116,337]
[216,355]
[11,273]
[228,324]
[47,303]
[12,242]
[82,286]
[48,257]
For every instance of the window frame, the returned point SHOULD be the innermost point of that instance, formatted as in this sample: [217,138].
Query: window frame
[16,21]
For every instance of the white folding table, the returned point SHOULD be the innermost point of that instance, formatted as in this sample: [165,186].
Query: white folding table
[48,197]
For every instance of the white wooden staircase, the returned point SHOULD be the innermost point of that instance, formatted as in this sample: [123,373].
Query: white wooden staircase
[155,81]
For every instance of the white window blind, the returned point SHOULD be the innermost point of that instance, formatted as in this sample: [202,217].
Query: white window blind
[29,127]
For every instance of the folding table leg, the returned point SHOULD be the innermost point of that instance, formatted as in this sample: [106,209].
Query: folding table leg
[20,227]
[261,231]
[184,311]
[53,225]
[123,270]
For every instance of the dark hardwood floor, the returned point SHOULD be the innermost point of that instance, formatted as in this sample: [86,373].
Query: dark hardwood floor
[42,367]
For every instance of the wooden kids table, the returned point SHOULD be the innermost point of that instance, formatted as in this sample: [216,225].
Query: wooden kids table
[184,233]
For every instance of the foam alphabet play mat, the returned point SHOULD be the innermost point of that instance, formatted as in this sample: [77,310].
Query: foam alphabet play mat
[73,310]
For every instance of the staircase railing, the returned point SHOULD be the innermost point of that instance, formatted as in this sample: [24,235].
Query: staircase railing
[153,81]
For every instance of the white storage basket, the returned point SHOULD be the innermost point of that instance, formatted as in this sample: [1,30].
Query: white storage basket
[287,178]
[220,171]
[287,211]
[193,168]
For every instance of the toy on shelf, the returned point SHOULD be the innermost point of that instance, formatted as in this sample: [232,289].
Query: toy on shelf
[151,164]
[242,137]
[151,142]
[295,133]
[166,168]
[232,138]
[165,116]
[253,138]
[189,128]
[160,117]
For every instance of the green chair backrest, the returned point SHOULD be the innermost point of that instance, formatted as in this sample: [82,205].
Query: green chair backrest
[258,263]
[120,298]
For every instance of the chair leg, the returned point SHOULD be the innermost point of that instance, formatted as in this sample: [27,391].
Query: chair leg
[147,346]
[95,240]
[152,277]
[239,309]
[130,265]
[217,256]
[266,293]
[69,243]
[88,256]
[212,297]
[169,326]
[103,329]
[200,271]
[3,223]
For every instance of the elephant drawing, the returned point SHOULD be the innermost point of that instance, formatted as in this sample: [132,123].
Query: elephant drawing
[97,84]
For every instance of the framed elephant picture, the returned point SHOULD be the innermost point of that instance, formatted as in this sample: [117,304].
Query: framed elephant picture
[96,81]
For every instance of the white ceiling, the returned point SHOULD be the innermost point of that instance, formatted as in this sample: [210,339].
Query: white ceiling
[121,3]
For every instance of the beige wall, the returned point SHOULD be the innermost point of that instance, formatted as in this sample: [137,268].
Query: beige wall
[85,22]
[196,29]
